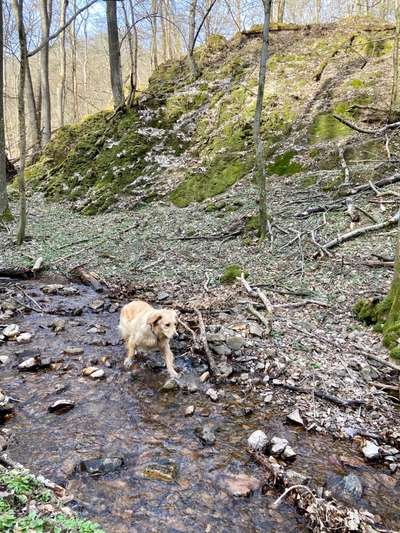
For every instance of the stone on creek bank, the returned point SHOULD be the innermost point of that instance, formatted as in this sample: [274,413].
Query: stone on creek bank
[371,451]
[258,441]
[72,350]
[164,470]
[295,417]
[34,363]
[93,372]
[11,331]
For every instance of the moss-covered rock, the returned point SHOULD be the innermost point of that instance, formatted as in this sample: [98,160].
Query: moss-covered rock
[284,165]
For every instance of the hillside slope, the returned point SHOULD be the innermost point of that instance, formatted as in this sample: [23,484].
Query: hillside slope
[187,141]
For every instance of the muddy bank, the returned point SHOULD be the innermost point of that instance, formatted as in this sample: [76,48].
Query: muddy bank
[126,450]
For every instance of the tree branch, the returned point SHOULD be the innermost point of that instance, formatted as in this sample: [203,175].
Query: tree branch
[61,29]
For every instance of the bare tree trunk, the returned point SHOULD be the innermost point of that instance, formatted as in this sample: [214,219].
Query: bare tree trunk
[207,25]
[86,61]
[128,29]
[318,11]
[154,46]
[163,31]
[74,61]
[170,16]
[32,115]
[239,14]
[4,209]
[45,14]
[114,54]
[191,43]
[63,65]
[18,12]
[260,163]
[281,10]
[395,82]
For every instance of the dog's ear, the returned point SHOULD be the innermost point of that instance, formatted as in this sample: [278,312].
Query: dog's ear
[154,318]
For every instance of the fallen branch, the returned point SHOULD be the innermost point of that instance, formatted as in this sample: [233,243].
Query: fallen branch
[322,395]
[203,337]
[361,231]
[343,162]
[378,184]
[360,129]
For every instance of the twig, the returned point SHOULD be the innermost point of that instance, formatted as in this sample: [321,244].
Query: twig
[203,337]
[293,487]
[323,395]
[30,298]
[252,310]
[301,304]
[344,164]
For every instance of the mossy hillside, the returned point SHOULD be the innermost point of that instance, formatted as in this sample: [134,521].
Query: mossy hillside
[207,121]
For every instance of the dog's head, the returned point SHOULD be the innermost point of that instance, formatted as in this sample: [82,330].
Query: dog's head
[163,322]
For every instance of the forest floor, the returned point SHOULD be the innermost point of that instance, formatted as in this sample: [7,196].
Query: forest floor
[176,257]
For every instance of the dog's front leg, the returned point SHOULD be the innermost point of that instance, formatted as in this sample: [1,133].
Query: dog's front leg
[131,352]
[169,359]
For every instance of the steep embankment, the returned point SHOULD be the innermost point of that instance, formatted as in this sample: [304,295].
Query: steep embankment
[191,140]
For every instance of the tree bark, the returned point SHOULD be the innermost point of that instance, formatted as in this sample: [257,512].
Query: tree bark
[318,7]
[260,163]
[395,81]
[33,114]
[4,209]
[74,61]
[281,11]
[114,54]
[63,66]
[18,7]
[154,45]
[45,17]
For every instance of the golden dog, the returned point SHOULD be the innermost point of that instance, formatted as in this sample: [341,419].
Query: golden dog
[144,328]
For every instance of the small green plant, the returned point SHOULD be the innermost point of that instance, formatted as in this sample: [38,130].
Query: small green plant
[232,272]
[19,483]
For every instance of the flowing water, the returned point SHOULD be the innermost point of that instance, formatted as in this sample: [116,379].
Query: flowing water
[130,420]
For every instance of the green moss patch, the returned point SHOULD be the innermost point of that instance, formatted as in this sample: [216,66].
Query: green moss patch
[326,128]
[284,165]
[221,174]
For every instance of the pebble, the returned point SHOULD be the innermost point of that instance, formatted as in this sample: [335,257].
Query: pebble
[268,397]
[289,453]
[97,374]
[225,369]
[4,359]
[24,337]
[53,288]
[96,305]
[29,364]
[278,445]
[213,394]
[58,325]
[205,376]
[370,450]
[61,406]
[255,330]
[162,295]
[206,434]
[165,470]
[258,441]
[189,410]
[96,467]
[170,384]
[11,331]
[89,370]
[352,485]
[221,349]
[295,417]
[73,351]
[235,342]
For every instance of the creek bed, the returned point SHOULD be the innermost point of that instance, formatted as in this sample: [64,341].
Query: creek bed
[126,451]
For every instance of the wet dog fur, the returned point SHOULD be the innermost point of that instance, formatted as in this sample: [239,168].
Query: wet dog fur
[144,328]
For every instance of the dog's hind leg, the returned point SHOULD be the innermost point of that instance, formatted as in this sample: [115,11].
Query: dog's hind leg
[130,344]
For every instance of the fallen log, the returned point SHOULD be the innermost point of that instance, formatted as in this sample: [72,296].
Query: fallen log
[16,272]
